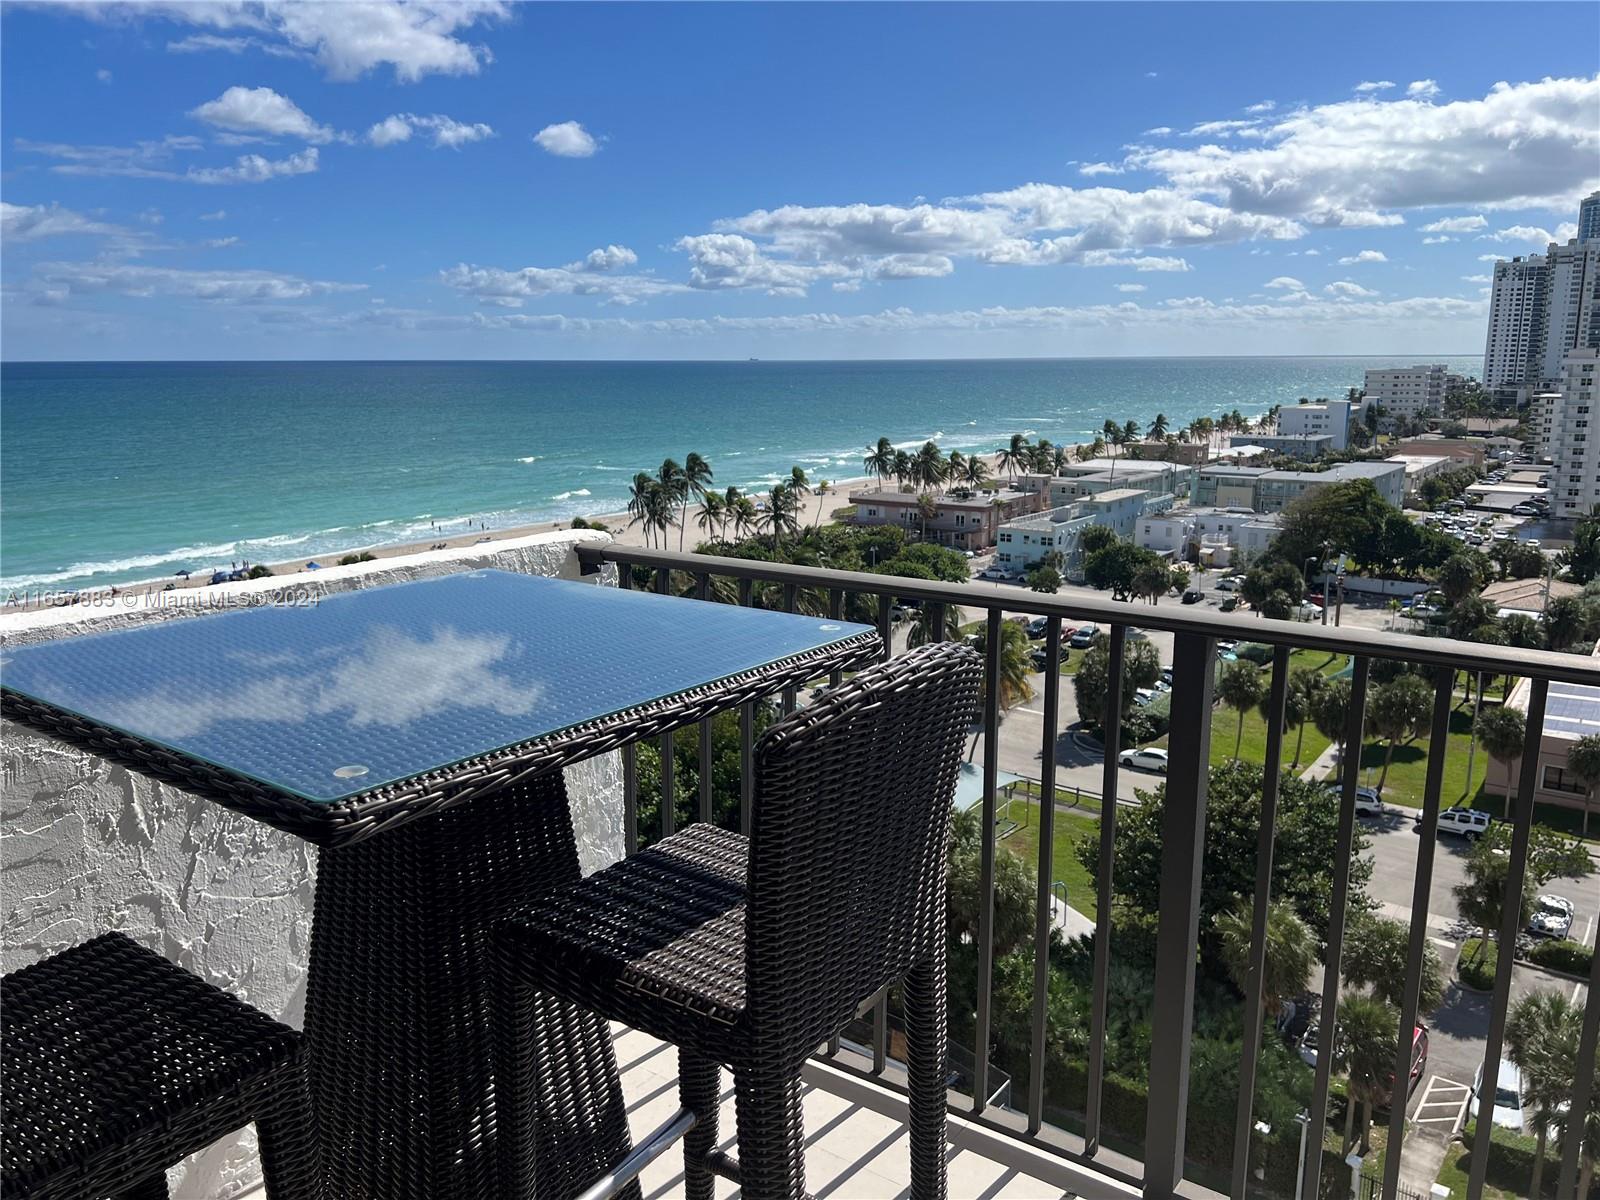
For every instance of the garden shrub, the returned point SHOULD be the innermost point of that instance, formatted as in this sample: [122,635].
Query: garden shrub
[1567,956]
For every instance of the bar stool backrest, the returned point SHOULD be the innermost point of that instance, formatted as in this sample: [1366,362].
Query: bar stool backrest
[848,842]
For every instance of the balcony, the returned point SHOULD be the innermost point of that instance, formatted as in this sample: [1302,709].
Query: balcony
[1136,1093]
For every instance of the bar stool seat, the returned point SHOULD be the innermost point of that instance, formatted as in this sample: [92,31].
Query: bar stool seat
[750,952]
[116,1064]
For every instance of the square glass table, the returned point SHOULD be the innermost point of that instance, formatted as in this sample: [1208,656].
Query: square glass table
[416,733]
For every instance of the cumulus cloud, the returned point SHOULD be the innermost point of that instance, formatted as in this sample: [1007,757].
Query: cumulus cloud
[263,112]
[1477,278]
[596,274]
[1374,85]
[566,140]
[221,242]
[1099,168]
[1364,256]
[1347,289]
[32,223]
[1362,162]
[1531,233]
[415,38]
[1265,106]
[1467,224]
[214,216]
[253,168]
[1130,287]
[1285,283]
[129,279]
[103,75]
[448,133]
[1437,239]
[729,260]
[1422,89]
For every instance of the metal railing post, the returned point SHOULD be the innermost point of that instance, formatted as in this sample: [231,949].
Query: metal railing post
[991,769]
[1183,831]
[747,741]
[1042,915]
[1111,728]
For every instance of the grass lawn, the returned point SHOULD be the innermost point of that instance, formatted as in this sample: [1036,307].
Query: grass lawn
[1409,771]
[1071,827]
[1510,1169]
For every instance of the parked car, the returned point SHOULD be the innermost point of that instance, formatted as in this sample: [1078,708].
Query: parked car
[1193,596]
[1082,637]
[1166,676]
[1041,660]
[1467,822]
[1507,1096]
[1143,695]
[996,574]
[1524,510]
[1147,759]
[1552,916]
[1229,583]
[1038,627]
[1368,802]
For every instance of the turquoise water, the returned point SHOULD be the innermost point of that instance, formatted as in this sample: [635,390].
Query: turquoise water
[118,472]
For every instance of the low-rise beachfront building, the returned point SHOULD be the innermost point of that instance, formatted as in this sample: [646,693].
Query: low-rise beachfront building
[1188,453]
[1023,543]
[1267,491]
[1293,445]
[1420,467]
[1466,452]
[1330,418]
[1407,393]
[962,520]
[1080,480]
[1186,533]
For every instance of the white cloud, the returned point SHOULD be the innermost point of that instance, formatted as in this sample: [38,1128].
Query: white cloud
[1345,288]
[1437,239]
[1099,168]
[1422,89]
[261,111]
[1374,85]
[228,286]
[729,260]
[1265,106]
[1130,287]
[31,223]
[214,216]
[1159,131]
[1285,283]
[416,37]
[448,133]
[103,75]
[1531,233]
[1365,256]
[566,140]
[221,242]
[151,216]
[593,275]
[1468,224]
[252,168]
[910,266]
[1311,253]
[1477,278]
[1361,162]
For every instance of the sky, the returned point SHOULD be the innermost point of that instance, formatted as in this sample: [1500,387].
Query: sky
[385,179]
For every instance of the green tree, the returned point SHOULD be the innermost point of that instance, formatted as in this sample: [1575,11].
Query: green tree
[1116,567]
[1399,711]
[1151,579]
[1016,662]
[1330,712]
[1096,537]
[933,623]
[694,484]
[1481,896]
[1013,887]
[1240,688]
[1043,579]
[1302,860]
[1581,563]
[1583,760]
[1377,954]
[1459,577]
[1141,667]
[1501,730]
[1300,701]
[879,461]
[1291,950]
[1543,1029]
[1014,454]
[1363,1050]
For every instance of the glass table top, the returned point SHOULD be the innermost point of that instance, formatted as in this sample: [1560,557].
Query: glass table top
[376,686]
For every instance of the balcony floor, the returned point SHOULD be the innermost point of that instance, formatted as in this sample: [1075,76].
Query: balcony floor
[852,1152]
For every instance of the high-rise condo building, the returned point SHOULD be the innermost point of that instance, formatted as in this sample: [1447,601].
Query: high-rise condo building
[1575,437]
[1589,218]
[1513,354]
[1407,393]
[1543,306]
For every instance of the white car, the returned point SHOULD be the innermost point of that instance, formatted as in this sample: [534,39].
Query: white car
[1228,583]
[1143,695]
[1147,759]
[1552,916]
[1468,822]
[997,574]
[1368,802]
[1507,1096]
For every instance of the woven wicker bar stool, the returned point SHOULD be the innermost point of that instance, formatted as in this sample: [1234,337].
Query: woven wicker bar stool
[117,1065]
[751,953]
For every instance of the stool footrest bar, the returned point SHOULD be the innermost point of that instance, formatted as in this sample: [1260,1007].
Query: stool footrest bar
[646,1152]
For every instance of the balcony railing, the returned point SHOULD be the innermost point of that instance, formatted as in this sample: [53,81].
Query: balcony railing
[1159,1171]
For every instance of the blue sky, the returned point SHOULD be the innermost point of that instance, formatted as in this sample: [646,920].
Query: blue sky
[402,180]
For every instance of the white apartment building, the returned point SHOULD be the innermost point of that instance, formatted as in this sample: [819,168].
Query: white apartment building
[1589,218]
[1574,479]
[1572,303]
[1330,418]
[1246,534]
[1513,354]
[1405,393]
[1021,543]
[1080,480]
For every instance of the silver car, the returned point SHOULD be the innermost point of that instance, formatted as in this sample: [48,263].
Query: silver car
[1552,917]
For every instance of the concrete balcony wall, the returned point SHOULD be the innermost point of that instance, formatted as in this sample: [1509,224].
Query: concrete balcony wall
[87,846]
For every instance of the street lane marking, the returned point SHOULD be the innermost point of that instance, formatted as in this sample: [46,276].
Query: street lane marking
[1457,1109]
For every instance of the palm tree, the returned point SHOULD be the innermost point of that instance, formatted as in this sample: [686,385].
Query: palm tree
[975,472]
[1399,711]
[1502,730]
[1583,760]
[1150,580]
[799,488]
[927,510]
[1014,455]
[1113,439]
[1330,712]
[696,477]
[746,516]
[902,468]
[927,627]
[781,505]
[824,486]
[712,513]
[928,466]
[1305,686]
[1240,688]
[730,507]
[1363,1049]
[1016,663]
[1291,950]
[674,487]
[1158,428]
[1542,1033]
[880,461]
[639,501]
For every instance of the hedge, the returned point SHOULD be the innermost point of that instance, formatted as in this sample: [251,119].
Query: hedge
[1511,1161]
[1476,968]
[1572,958]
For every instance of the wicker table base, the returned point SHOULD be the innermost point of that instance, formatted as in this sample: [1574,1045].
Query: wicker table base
[398,1018]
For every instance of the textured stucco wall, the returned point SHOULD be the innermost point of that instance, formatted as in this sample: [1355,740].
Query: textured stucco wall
[86,846]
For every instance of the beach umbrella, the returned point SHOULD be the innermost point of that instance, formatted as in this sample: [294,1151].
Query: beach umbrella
[184,574]
[313,566]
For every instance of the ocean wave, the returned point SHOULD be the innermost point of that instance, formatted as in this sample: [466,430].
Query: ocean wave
[532,458]
[116,566]
[603,467]
[570,495]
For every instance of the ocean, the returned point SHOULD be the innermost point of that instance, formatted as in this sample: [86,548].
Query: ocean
[112,473]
